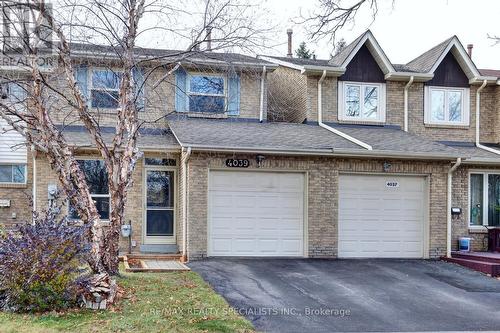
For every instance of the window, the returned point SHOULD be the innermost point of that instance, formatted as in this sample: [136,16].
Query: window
[97,180]
[104,88]
[206,93]
[362,101]
[484,196]
[446,106]
[160,161]
[13,173]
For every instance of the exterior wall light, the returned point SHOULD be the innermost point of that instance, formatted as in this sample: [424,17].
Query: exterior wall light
[259,159]
[387,166]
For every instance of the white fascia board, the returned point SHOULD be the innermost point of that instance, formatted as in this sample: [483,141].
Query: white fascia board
[480,80]
[463,54]
[405,76]
[282,63]
[330,70]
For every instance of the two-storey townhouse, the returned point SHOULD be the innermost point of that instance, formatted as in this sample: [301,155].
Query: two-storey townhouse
[436,97]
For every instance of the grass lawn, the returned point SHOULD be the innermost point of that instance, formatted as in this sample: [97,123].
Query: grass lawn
[153,302]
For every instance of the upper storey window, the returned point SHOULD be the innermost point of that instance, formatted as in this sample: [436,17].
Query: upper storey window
[207,93]
[105,89]
[361,101]
[446,106]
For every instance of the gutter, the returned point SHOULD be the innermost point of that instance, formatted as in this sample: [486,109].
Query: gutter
[478,118]
[185,204]
[407,86]
[262,87]
[331,129]
[448,206]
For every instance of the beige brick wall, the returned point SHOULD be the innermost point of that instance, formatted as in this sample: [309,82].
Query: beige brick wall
[20,200]
[460,198]
[286,95]
[134,210]
[322,196]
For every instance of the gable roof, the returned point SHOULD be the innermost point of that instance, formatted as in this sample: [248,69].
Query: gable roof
[343,58]
[425,61]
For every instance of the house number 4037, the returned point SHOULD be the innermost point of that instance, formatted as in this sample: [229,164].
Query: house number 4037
[237,163]
[391,184]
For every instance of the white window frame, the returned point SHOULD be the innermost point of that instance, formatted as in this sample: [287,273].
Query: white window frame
[381,101]
[91,86]
[428,107]
[189,93]
[12,182]
[485,174]
[90,158]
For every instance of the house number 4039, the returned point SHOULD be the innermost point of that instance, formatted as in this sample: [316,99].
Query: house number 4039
[237,163]
[391,184]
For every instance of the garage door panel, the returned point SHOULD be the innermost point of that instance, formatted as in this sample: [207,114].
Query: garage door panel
[380,221]
[256,214]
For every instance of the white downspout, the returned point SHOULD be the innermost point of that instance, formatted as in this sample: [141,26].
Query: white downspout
[407,86]
[33,153]
[478,116]
[331,129]
[448,206]
[184,204]
[262,89]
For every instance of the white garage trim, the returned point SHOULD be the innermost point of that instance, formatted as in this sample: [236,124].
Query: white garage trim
[425,206]
[305,177]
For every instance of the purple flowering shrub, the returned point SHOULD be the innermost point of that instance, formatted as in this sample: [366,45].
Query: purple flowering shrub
[40,264]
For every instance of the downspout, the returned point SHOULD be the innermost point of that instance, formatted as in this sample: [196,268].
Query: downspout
[262,87]
[184,204]
[34,178]
[331,129]
[448,206]
[478,116]
[407,86]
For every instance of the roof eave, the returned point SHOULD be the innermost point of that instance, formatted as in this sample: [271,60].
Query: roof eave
[405,76]
[481,79]
[488,161]
[317,70]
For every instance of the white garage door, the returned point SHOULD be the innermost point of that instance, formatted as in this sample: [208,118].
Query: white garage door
[381,216]
[256,214]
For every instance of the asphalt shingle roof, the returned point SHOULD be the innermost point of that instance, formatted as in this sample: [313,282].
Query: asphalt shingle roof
[469,150]
[302,61]
[424,62]
[490,72]
[339,58]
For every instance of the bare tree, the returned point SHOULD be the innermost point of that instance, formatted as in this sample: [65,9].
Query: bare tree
[40,41]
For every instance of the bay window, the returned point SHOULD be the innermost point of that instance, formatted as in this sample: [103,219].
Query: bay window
[206,93]
[97,181]
[446,106]
[362,101]
[484,199]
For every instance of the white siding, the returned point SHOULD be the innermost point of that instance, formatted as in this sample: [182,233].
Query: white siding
[11,148]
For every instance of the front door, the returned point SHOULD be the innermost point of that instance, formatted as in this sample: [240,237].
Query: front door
[160,213]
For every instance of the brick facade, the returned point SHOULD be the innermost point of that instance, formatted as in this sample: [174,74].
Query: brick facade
[322,197]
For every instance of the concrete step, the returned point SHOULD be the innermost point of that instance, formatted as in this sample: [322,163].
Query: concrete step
[489,268]
[478,256]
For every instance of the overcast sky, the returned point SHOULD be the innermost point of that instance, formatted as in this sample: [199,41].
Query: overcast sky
[408,29]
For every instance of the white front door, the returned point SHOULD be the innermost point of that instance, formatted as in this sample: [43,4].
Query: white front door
[381,216]
[159,206]
[255,213]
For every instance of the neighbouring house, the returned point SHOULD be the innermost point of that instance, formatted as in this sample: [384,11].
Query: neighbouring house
[286,157]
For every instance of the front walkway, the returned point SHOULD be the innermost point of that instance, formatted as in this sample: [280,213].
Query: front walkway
[355,295]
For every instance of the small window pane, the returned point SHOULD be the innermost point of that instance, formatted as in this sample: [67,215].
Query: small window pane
[437,105]
[206,103]
[160,223]
[19,173]
[104,99]
[6,173]
[106,79]
[352,101]
[160,189]
[371,102]
[96,175]
[102,206]
[207,85]
[455,105]
[161,161]
[476,199]
[493,200]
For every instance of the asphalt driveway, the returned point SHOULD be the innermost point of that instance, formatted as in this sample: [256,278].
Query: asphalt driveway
[286,295]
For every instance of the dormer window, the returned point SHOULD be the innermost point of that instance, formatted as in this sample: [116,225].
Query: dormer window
[206,93]
[446,106]
[364,102]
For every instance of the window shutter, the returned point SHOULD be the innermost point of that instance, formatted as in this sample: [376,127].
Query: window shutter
[138,74]
[233,95]
[180,90]
[81,76]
